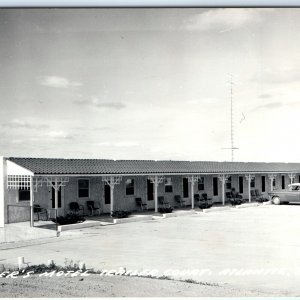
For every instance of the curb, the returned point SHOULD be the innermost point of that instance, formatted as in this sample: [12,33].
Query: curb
[132,219]
[245,205]
[213,209]
[179,214]
[78,225]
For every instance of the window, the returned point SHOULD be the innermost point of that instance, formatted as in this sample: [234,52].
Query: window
[228,183]
[83,188]
[168,185]
[129,187]
[274,182]
[24,194]
[201,184]
[263,183]
[252,183]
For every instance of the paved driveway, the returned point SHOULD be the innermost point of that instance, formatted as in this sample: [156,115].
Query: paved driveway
[261,239]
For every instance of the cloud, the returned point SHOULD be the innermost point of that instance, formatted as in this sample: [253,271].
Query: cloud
[123,144]
[96,102]
[224,19]
[59,135]
[264,96]
[58,82]
[19,124]
[203,101]
[270,105]
[278,75]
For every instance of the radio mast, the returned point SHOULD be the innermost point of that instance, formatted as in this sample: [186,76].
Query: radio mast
[232,148]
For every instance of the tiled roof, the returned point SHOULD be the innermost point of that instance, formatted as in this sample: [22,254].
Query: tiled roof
[55,166]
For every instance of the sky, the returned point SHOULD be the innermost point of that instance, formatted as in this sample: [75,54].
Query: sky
[150,83]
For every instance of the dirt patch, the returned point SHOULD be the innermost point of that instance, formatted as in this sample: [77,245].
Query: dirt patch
[117,286]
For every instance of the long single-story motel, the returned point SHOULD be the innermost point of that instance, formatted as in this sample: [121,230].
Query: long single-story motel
[116,184]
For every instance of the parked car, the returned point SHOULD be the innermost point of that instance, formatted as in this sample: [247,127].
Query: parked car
[291,194]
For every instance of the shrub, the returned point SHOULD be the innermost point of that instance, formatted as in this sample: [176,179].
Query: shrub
[119,214]
[205,205]
[70,218]
[165,210]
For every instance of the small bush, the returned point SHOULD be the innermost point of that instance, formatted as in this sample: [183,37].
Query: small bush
[119,214]
[165,210]
[70,218]
[205,205]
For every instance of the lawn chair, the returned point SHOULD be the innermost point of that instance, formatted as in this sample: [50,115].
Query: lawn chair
[139,202]
[234,198]
[75,207]
[163,202]
[179,200]
[196,199]
[40,211]
[92,208]
[205,202]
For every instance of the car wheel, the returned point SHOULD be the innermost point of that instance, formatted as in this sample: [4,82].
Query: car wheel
[276,200]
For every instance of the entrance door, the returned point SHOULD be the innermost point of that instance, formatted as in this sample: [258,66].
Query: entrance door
[106,208]
[60,210]
[215,186]
[150,193]
[241,185]
[185,187]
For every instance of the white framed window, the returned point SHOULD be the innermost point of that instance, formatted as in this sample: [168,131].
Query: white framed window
[229,183]
[168,185]
[83,188]
[129,186]
[201,183]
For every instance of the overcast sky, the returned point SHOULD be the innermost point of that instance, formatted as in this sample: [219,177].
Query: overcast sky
[150,83]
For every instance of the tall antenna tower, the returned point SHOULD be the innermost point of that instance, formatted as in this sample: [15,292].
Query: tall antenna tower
[232,148]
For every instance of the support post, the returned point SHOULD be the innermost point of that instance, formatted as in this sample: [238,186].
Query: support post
[249,177]
[272,178]
[56,196]
[31,202]
[192,179]
[155,193]
[223,178]
[192,192]
[292,177]
[156,180]
[112,186]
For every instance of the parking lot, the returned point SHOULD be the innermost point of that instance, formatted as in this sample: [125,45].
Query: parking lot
[255,248]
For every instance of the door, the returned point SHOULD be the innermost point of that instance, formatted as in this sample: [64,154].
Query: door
[215,186]
[185,187]
[241,185]
[107,200]
[60,208]
[150,193]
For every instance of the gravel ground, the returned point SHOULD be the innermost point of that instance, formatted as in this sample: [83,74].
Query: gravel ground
[99,286]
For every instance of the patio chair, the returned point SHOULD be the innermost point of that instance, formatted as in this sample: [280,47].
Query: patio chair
[234,198]
[75,207]
[163,202]
[40,211]
[179,200]
[260,197]
[139,202]
[204,201]
[196,198]
[92,208]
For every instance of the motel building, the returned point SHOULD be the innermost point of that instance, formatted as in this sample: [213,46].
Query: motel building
[117,184]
